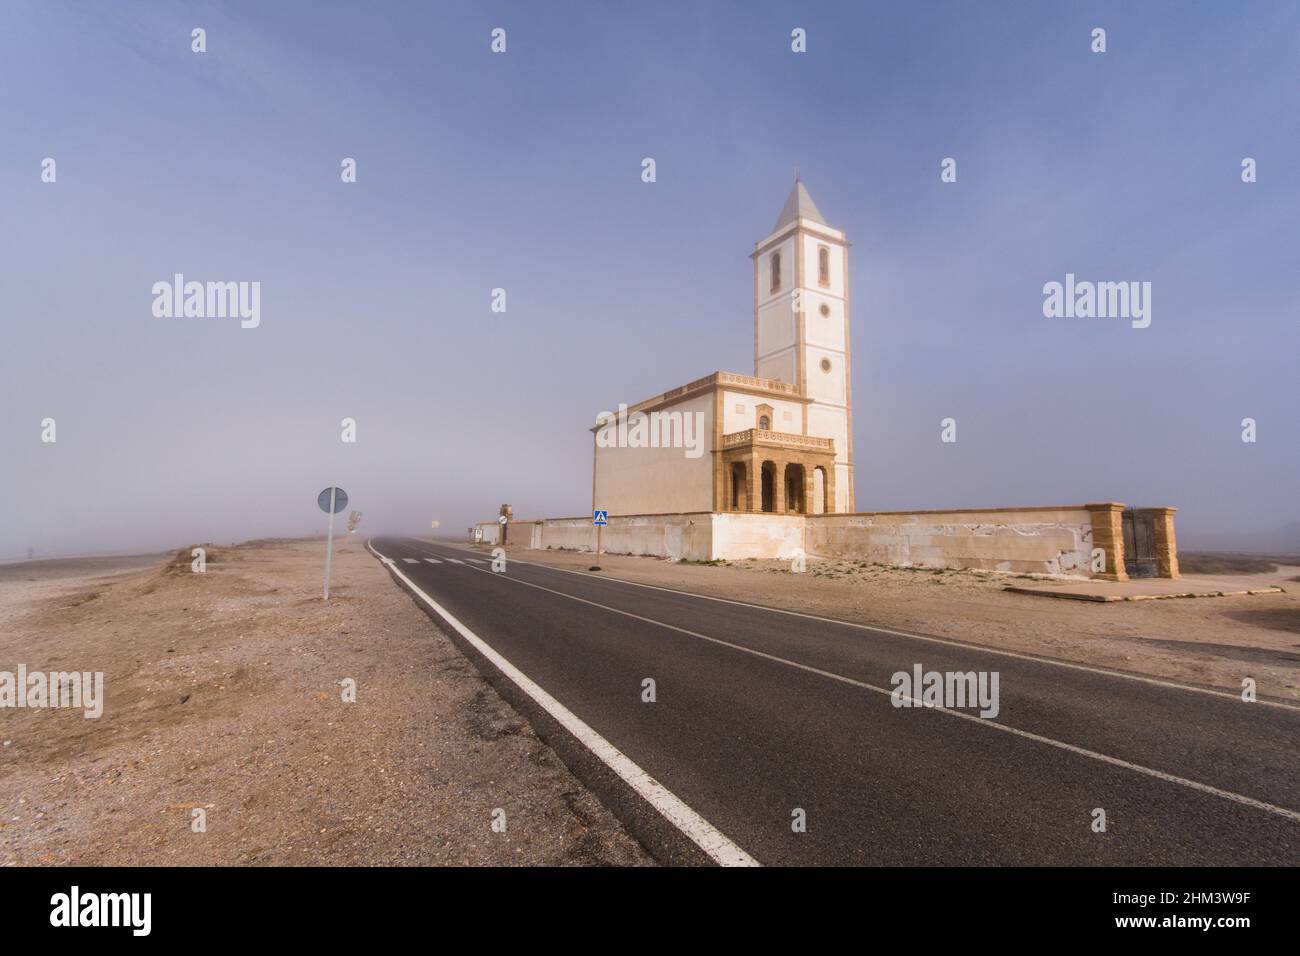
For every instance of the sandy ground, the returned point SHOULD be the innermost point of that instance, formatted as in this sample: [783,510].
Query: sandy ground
[224,693]
[1208,641]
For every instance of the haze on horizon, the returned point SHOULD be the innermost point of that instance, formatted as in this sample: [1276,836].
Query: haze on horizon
[522,171]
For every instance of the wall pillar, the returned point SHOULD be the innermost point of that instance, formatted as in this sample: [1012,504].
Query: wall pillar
[1166,545]
[722,483]
[754,477]
[1108,534]
[778,486]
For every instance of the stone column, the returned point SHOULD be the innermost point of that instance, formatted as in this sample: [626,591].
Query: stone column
[1166,545]
[809,498]
[778,487]
[722,486]
[754,477]
[1108,534]
[830,489]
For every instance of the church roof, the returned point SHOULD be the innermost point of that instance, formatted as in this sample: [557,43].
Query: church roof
[798,206]
[728,381]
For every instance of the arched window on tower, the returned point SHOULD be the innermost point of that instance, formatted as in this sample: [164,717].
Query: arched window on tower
[764,423]
[774,266]
[824,265]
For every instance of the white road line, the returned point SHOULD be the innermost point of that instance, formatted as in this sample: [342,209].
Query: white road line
[433,560]
[707,837]
[455,561]
[978,721]
[411,560]
[1228,695]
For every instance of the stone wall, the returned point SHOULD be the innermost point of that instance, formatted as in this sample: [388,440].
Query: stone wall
[1052,540]
[1024,540]
[672,536]
[739,535]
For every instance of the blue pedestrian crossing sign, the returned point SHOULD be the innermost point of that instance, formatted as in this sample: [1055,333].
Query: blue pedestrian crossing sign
[600,517]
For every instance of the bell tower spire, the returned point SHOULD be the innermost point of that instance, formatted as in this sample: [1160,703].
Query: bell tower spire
[801,323]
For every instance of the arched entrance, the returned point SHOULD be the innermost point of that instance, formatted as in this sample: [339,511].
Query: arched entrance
[820,505]
[794,490]
[769,486]
[739,486]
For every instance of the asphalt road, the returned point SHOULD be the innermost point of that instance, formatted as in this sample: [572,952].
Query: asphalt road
[759,714]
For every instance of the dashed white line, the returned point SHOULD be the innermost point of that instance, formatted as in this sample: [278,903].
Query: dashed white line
[411,560]
[433,560]
[702,833]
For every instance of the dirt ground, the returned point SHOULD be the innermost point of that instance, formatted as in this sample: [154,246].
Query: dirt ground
[1207,641]
[224,693]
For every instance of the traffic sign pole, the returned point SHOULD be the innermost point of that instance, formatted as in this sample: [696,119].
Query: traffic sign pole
[329,548]
[332,500]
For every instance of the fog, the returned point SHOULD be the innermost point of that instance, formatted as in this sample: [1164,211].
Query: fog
[521,171]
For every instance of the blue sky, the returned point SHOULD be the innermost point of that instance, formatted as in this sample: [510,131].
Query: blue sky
[522,171]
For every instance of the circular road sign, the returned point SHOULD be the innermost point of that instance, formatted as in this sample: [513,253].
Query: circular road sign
[340,500]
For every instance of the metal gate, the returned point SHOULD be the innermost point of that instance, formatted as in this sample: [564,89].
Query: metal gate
[1140,544]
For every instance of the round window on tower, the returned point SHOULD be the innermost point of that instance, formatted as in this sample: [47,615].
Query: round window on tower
[826,365]
[826,309]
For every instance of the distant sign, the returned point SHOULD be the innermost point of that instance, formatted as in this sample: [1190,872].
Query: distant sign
[436,523]
[600,517]
[340,500]
[502,520]
[332,501]
[354,519]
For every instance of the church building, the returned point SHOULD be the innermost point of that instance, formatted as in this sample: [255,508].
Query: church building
[734,466]
[777,441]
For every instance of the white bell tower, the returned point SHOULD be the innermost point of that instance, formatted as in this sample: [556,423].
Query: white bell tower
[801,324]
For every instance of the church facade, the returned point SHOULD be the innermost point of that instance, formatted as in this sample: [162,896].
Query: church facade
[779,441]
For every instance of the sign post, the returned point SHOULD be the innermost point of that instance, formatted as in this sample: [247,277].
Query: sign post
[507,514]
[332,500]
[599,519]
